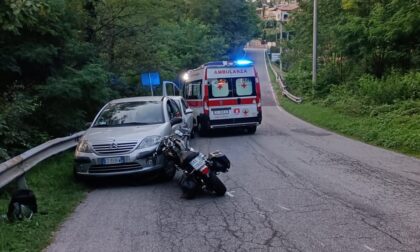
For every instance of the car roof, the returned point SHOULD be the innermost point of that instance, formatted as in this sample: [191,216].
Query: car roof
[138,98]
[176,97]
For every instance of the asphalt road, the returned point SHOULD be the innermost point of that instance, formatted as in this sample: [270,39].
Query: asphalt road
[292,187]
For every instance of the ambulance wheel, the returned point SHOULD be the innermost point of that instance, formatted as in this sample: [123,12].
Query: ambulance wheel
[202,131]
[251,130]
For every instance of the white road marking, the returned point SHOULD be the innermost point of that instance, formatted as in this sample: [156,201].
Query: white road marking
[230,194]
[258,199]
[369,248]
[284,208]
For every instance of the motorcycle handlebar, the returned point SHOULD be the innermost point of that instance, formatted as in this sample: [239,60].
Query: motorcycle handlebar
[171,138]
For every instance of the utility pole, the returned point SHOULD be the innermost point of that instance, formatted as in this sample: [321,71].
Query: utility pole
[281,39]
[314,46]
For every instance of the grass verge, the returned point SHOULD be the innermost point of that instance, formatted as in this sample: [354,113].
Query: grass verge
[391,130]
[57,196]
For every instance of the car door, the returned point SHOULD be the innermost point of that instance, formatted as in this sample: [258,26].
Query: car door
[188,115]
[174,111]
[184,119]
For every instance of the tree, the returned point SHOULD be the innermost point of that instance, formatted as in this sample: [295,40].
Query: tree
[61,60]
[235,20]
[356,37]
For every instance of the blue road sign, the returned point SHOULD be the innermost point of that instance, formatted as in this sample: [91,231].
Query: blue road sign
[150,79]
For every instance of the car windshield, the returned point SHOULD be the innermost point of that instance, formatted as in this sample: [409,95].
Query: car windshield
[130,113]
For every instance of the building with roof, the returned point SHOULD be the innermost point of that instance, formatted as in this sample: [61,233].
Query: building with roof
[279,12]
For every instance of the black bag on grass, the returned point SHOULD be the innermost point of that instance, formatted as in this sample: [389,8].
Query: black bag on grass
[22,205]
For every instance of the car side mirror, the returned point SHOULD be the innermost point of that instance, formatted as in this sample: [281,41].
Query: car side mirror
[176,120]
[188,111]
[87,125]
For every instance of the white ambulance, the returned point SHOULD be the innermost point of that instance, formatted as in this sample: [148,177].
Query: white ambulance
[224,94]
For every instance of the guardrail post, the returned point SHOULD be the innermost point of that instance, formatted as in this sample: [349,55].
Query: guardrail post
[21,182]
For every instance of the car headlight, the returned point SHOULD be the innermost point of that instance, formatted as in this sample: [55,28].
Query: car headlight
[83,146]
[150,141]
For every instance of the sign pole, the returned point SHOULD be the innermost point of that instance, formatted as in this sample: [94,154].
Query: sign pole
[151,87]
[314,46]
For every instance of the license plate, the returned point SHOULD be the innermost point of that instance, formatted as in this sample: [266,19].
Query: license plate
[111,160]
[221,112]
[197,163]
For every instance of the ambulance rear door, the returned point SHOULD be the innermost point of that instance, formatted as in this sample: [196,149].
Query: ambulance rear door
[232,95]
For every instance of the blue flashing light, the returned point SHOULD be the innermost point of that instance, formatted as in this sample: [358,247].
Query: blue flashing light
[243,62]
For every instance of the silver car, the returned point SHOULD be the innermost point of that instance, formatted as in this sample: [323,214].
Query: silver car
[187,114]
[124,136]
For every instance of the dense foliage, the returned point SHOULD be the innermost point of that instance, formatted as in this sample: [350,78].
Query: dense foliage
[60,60]
[365,45]
[368,63]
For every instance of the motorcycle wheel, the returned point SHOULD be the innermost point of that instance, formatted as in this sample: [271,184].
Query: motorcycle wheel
[216,185]
[188,186]
[188,195]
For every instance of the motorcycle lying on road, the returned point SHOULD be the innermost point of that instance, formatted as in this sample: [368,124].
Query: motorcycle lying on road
[199,172]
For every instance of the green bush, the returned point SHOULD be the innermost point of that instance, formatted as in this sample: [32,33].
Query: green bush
[275,49]
[395,87]
[16,132]
[343,99]
[80,94]
[299,82]
[328,76]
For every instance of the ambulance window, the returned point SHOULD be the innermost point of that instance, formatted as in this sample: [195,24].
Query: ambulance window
[244,86]
[193,90]
[219,88]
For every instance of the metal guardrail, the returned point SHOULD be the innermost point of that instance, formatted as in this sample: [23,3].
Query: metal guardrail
[283,86]
[16,167]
